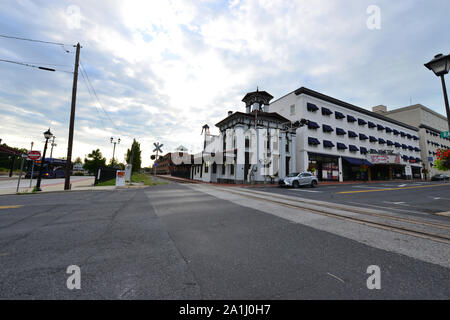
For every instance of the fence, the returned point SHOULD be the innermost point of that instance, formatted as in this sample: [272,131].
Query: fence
[104,174]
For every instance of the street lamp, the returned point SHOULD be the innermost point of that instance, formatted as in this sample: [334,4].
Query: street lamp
[114,150]
[440,65]
[47,135]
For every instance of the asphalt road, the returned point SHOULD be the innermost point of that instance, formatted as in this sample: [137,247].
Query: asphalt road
[175,242]
[409,198]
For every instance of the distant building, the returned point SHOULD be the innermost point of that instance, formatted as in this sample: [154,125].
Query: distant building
[430,124]
[165,165]
[345,142]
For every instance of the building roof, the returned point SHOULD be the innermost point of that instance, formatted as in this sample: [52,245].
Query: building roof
[416,106]
[273,116]
[263,95]
[321,96]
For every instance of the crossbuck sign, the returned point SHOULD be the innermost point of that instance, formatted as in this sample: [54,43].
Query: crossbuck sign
[157,147]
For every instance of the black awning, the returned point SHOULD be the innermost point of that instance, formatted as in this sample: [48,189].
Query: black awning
[326,111]
[311,107]
[354,161]
[418,160]
[340,131]
[398,145]
[409,136]
[313,141]
[341,146]
[388,130]
[373,151]
[328,144]
[363,150]
[396,132]
[339,115]
[373,139]
[362,122]
[353,148]
[313,125]
[363,137]
[351,118]
[372,125]
[327,128]
[410,148]
[352,134]
[404,146]
[389,143]
[381,141]
[406,158]
[380,127]
[402,134]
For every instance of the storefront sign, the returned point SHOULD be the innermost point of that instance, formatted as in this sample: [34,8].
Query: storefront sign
[384,159]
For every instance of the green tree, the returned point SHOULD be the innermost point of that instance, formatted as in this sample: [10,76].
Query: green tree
[136,151]
[78,160]
[94,160]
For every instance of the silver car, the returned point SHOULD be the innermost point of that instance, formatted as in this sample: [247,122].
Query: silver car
[299,179]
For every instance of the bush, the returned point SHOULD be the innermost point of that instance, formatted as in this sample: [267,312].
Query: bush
[78,174]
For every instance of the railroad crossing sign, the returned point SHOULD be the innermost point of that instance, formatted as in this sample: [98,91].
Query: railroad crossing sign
[445,134]
[34,155]
[157,147]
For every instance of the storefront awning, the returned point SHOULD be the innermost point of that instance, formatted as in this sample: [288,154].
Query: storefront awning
[357,162]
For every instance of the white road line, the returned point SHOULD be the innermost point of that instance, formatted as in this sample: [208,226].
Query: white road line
[400,203]
[438,198]
[336,277]
[389,208]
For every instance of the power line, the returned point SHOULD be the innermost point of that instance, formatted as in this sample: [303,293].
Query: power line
[33,66]
[96,96]
[34,40]
[92,96]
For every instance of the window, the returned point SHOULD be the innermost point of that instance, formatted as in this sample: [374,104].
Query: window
[232,169]
[293,110]
[287,146]
[206,166]
[247,142]
[214,168]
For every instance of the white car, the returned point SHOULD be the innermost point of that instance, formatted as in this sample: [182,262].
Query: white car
[299,179]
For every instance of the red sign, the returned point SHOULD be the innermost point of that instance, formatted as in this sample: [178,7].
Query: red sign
[34,155]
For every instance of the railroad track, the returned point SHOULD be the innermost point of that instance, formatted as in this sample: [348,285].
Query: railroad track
[419,228]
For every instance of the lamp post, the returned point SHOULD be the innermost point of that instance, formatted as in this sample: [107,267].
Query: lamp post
[440,65]
[47,135]
[114,149]
[53,144]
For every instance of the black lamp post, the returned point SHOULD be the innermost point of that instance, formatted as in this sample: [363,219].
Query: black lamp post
[440,65]
[47,135]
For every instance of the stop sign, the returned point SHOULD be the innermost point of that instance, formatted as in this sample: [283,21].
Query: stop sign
[34,155]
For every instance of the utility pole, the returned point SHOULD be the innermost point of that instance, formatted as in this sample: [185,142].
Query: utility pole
[72,120]
[53,144]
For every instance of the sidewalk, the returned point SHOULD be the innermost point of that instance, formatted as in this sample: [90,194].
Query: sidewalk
[324,183]
[10,185]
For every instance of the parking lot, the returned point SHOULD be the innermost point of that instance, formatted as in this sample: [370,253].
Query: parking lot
[412,198]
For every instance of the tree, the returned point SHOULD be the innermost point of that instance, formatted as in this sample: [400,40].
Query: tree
[78,160]
[94,160]
[136,152]
[443,160]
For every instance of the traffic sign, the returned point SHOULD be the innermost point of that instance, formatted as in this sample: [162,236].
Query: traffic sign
[158,147]
[445,134]
[34,155]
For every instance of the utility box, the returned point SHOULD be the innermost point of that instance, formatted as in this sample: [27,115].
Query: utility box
[120,178]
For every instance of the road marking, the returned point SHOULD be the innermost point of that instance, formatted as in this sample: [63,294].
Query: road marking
[336,277]
[401,203]
[391,189]
[445,214]
[4,254]
[11,207]
[363,187]
[390,208]
[306,190]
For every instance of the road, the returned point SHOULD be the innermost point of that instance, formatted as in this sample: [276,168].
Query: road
[198,242]
[410,198]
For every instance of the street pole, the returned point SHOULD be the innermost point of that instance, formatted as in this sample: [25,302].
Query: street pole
[32,166]
[447,107]
[20,176]
[72,120]
[38,183]
[154,167]
[53,145]
[114,153]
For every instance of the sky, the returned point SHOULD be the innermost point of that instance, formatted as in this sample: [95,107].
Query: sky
[163,69]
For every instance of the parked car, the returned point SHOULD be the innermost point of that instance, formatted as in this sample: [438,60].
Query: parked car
[440,177]
[299,179]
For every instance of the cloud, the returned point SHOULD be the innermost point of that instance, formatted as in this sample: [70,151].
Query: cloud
[162,69]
